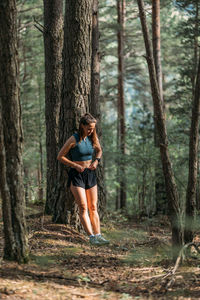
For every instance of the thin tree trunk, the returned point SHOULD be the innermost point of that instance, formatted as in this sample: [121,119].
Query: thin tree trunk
[156,43]
[41,168]
[160,193]
[40,189]
[26,185]
[11,168]
[75,94]
[171,189]
[193,162]
[121,101]
[53,45]
[94,105]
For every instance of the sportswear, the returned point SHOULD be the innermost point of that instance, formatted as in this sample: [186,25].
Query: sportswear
[86,179]
[83,150]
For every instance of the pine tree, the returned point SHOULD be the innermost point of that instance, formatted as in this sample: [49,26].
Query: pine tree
[53,44]
[11,167]
[76,87]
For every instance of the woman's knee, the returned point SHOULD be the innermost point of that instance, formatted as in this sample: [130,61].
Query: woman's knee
[92,209]
[82,208]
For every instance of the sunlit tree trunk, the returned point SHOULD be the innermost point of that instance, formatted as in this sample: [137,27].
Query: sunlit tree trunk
[11,138]
[76,89]
[53,45]
[121,5]
[171,189]
[94,103]
[160,193]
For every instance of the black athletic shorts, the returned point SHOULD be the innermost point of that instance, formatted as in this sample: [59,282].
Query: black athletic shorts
[86,179]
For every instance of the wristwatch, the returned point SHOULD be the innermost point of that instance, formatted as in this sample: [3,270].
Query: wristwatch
[98,159]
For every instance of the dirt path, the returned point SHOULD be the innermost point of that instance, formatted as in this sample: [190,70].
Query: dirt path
[64,266]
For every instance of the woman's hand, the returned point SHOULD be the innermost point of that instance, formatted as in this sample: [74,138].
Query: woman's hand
[93,165]
[79,168]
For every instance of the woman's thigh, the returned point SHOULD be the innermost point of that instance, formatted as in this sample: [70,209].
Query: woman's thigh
[79,194]
[92,197]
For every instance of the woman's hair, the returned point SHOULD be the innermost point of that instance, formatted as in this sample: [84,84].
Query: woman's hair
[87,119]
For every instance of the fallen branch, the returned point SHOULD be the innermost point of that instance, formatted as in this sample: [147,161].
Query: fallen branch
[180,258]
[74,281]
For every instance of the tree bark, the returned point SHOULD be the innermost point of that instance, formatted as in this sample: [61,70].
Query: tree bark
[53,45]
[11,168]
[196,34]
[40,133]
[171,189]
[193,162]
[75,94]
[160,193]
[121,4]
[94,103]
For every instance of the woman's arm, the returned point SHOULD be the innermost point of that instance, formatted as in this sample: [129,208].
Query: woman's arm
[71,142]
[98,152]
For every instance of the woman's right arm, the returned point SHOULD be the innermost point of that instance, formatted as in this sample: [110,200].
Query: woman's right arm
[63,152]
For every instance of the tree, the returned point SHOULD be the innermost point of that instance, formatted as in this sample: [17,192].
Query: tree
[190,32]
[161,201]
[121,4]
[193,159]
[11,167]
[53,45]
[171,189]
[94,103]
[76,86]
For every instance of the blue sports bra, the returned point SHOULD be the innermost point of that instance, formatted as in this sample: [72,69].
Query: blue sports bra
[82,151]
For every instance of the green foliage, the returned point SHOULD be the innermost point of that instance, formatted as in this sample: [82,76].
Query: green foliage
[31,53]
[179,36]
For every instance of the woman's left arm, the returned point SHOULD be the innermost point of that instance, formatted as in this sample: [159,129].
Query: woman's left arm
[98,152]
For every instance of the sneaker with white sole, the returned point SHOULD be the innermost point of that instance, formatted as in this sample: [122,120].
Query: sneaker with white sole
[102,240]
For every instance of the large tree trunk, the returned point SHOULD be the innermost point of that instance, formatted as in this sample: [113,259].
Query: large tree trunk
[53,45]
[75,93]
[160,193]
[94,103]
[11,169]
[121,102]
[193,162]
[171,189]
[196,53]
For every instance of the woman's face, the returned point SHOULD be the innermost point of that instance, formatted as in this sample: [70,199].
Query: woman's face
[88,129]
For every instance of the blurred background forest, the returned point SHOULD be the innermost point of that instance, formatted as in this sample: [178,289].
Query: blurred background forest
[179,38]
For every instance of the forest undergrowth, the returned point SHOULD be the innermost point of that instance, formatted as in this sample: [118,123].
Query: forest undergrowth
[136,264]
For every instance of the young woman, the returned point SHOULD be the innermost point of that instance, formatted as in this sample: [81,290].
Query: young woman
[82,178]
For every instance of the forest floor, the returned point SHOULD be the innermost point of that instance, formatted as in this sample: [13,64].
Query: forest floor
[64,266]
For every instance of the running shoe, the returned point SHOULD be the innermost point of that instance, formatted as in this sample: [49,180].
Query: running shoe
[102,240]
[94,241]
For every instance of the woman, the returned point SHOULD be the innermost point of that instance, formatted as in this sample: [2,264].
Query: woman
[82,178]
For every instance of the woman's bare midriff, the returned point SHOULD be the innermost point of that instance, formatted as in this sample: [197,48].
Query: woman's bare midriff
[84,164]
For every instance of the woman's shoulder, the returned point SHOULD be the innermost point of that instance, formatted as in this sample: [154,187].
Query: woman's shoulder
[76,136]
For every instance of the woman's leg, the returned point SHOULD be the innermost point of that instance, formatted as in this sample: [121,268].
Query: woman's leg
[81,200]
[92,206]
